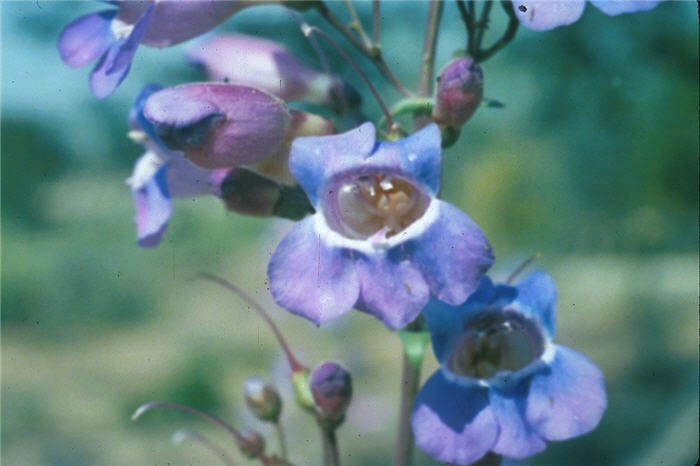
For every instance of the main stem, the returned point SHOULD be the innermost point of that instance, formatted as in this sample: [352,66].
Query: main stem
[410,379]
[428,57]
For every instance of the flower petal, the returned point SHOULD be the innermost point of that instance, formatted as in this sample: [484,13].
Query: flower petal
[452,254]
[313,160]
[86,38]
[568,399]
[310,279]
[517,439]
[392,289]
[537,298]
[149,187]
[114,65]
[453,423]
[544,15]
[617,7]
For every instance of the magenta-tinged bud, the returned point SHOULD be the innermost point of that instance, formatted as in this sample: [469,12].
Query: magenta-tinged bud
[262,399]
[459,92]
[269,66]
[219,125]
[331,387]
[251,444]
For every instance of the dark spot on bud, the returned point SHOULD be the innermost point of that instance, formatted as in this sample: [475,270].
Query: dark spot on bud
[522,8]
[187,136]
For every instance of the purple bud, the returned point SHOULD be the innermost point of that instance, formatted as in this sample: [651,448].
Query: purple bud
[271,67]
[251,444]
[262,399]
[219,125]
[459,92]
[331,387]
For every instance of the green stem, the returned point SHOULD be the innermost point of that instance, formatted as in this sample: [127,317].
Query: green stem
[467,13]
[331,457]
[482,25]
[357,24]
[281,439]
[410,379]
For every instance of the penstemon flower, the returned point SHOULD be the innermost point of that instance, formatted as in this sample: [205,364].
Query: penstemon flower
[380,240]
[112,36]
[271,67]
[544,15]
[503,386]
[159,175]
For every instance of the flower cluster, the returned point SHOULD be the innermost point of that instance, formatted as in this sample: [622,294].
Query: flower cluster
[372,232]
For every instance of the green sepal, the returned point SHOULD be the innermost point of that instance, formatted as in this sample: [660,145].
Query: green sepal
[292,203]
[449,136]
[413,105]
[302,391]
[414,344]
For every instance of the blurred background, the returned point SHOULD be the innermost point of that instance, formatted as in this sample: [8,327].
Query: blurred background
[592,162]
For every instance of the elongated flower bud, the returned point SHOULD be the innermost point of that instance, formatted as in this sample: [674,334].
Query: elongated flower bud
[262,399]
[219,125]
[331,387]
[459,92]
[269,66]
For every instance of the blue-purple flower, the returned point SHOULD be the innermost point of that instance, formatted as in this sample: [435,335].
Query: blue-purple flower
[503,385]
[380,240]
[159,175]
[112,36]
[543,15]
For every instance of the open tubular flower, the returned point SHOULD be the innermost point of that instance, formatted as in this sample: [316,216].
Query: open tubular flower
[503,385]
[159,175]
[112,36]
[542,15]
[269,66]
[380,240]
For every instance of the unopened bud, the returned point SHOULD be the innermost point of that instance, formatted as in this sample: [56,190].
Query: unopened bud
[263,400]
[218,125]
[251,444]
[459,92]
[331,387]
[249,193]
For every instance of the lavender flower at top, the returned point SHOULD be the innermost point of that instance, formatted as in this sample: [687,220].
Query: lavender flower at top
[544,15]
[380,240]
[503,386]
[114,35]
[269,66]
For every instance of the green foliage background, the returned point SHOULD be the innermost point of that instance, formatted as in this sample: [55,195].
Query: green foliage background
[593,162]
